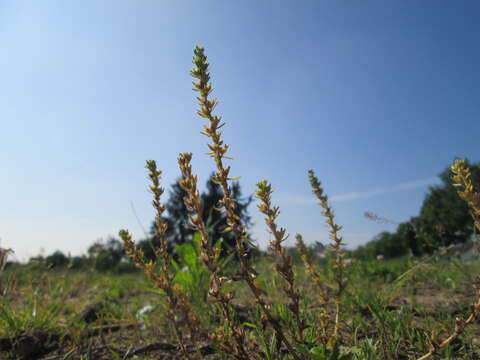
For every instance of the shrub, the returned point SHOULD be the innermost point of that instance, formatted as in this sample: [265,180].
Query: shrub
[106,261]
[77,262]
[57,259]
[384,244]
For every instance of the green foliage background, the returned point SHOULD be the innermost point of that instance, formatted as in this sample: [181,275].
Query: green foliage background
[444,219]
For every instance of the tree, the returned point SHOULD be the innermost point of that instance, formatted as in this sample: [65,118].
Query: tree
[57,259]
[106,255]
[217,221]
[389,245]
[444,217]
[179,228]
[408,235]
[444,220]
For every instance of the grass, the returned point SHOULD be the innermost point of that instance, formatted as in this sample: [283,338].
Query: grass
[279,306]
[387,312]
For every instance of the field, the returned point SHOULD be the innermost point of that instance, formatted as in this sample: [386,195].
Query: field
[204,300]
[390,311]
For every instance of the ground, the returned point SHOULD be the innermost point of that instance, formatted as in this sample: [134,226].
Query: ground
[389,311]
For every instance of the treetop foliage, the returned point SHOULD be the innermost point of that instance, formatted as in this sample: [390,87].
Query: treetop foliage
[444,219]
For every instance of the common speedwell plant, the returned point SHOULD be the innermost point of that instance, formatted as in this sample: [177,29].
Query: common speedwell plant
[295,333]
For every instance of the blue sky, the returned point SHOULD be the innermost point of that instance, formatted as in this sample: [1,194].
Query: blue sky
[378,97]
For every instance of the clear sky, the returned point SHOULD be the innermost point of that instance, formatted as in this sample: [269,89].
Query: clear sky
[378,97]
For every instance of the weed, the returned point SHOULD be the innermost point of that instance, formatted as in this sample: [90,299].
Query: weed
[281,306]
[287,329]
[179,309]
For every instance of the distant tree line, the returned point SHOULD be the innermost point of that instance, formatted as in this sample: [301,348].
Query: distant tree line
[444,220]
[110,255]
[101,256]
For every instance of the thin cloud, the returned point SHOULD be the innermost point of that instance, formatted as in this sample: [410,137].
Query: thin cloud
[409,185]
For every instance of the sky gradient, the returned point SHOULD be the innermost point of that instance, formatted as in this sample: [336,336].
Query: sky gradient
[378,97]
